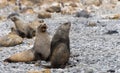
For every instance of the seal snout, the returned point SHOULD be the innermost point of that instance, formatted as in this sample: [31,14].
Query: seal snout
[44,27]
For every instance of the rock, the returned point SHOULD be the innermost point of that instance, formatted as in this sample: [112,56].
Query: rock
[115,16]
[3,3]
[92,24]
[111,71]
[54,9]
[83,13]
[2,18]
[27,10]
[112,32]
[91,2]
[1,49]
[11,2]
[26,2]
[68,10]
[43,71]
[109,1]
[44,15]
[73,5]
[89,71]
[11,39]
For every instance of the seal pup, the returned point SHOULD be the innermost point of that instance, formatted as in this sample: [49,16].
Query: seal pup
[23,30]
[27,30]
[42,43]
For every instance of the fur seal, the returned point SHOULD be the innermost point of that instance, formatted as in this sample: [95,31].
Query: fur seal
[42,43]
[60,47]
[24,56]
[11,39]
[24,29]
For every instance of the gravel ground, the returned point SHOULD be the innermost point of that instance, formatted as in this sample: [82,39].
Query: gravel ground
[92,51]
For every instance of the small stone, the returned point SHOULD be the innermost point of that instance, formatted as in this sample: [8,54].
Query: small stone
[92,24]
[89,71]
[38,63]
[111,71]
[112,32]
[43,71]
[1,49]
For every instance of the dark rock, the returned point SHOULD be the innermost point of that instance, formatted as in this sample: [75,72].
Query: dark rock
[83,13]
[111,71]
[112,32]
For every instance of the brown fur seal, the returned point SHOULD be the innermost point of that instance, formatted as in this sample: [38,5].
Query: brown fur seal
[25,56]
[60,47]
[10,39]
[24,29]
[42,43]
